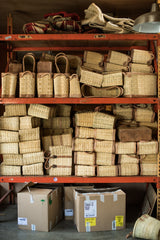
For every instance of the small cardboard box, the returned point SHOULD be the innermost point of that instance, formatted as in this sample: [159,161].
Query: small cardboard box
[39,209]
[99,209]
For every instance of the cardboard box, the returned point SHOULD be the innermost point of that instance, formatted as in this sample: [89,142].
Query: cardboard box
[99,209]
[39,209]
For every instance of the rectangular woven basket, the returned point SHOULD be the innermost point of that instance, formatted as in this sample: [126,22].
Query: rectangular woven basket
[13,159]
[33,169]
[45,84]
[63,110]
[46,142]
[103,120]
[27,84]
[103,158]
[124,112]
[9,83]
[104,146]
[30,146]
[8,136]
[84,158]
[118,58]
[107,171]
[48,131]
[112,79]
[32,158]
[148,169]
[61,122]
[83,145]
[9,148]
[61,151]
[150,147]
[128,159]
[136,67]
[84,171]
[84,119]
[111,67]
[60,171]
[144,114]
[62,140]
[28,122]
[129,169]
[66,162]
[91,78]
[29,134]
[13,110]
[148,158]
[9,123]
[93,57]
[10,170]
[126,148]
[93,67]
[142,56]
[38,110]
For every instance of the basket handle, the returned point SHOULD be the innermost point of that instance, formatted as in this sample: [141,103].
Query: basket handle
[26,72]
[74,75]
[30,55]
[59,56]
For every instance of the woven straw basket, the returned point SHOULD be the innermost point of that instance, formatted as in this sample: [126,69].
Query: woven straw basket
[16,159]
[8,136]
[32,158]
[88,91]
[9,82]
[62,140]
[105,158]
[30,146]
[93,57]
[86,171]
[91,78]
[84,119]
[33,169]
[142,56]
[12,110]
[124,111]
[111,67]
[145,114]
[104,146]
[150,158]
[48,131]
[148,169]
[126,148]
[93,67]
[10,170]
[129,169]
[74,87]
[60,171]
[118,58]
[15,66]
[112,79]
[84,158]
[102,120]
[45,85]
[134,67]
[61,162]
[9,123]
[44,66]
[27,84]
[29,134]
[29,122]
[147,147]
[107,171]
[9,148]
[128,159]
[83,145]
[38,110]
[61,122]
[63,110]
[61,151]
[46,142]
[52,111]
[140,85]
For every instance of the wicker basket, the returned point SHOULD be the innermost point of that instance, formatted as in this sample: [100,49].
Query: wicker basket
[60,171]
[12,110]
[128,169]
[84,158]
[61,122]
[105,158]
[32,158]
[126,148]
[111,67]
[38,110]
[10,170]
[93,67]
[9,83]
[44,66]
[30,146]
[15,66]
[128,159]
[118,58]
[60,162]
[150,158]
[74,87]
[83,145]
[9,123]
[84,171]
[140,85]
[52,111]
[83,132]
[13,159]
[45,85]
[91,78]
[84,119]
[9,148]
[147,147]
[134,67]
[33,169]
[148,169]
[103,120]
[124,111]
[29,134]
[62,131]
[62,140]
[27,84]
[46,142]
[144,114]
[104,146]
[75,62]
[29,122]
[107,171]
[61,151]
[93,57]
[112,79]
[142,56]
[63,110]
[8,136]
[110,92]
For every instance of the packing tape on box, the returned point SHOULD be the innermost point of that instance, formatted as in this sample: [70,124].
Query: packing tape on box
[88,228]
[87,198]
[102,198]
[115,197]
[33,227]
[31,197]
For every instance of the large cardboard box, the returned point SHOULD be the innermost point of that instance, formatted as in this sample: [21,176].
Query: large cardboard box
[39,209]
[99,209]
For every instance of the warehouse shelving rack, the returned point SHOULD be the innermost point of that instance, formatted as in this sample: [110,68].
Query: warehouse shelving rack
[78,43]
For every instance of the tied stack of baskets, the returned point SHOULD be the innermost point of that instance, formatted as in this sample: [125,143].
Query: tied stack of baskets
[137,148]
[94,144]
[57,141]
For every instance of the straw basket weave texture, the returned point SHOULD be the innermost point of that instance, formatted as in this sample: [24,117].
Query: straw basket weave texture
[44,66]
[62,140]
[27,84]
[102,120]
[29,134]
[15,66]
[29,122]
[112,79]
[128,159]
[83,145]
[66,162]
[126,148]
[105,158]
[93,67]
[61,151]
[140,85]
[30,146]
[62,131]
[134,67]
[144,114]
[52,111]
[148,169]
[10,170]
[118,58]
[84,132]
[9,148]
[107,171]
[9,123]
[91,78]
[63,110]
[142,56]
[131,169]
[16,159]
[31,158]
[38,110]
[45,85]
[33,169]
[46,142]
[61,122]
[124,112]
[9,82]
[8,136]
[104,146]
[147,147]
[84,119]
[75,62]
[74,87]
[82,170]
[93,57]
[13,110]
[60,171]
[84,158]
[148,158]
[111,67]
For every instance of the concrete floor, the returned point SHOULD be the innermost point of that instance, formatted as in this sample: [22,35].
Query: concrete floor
[64,230]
